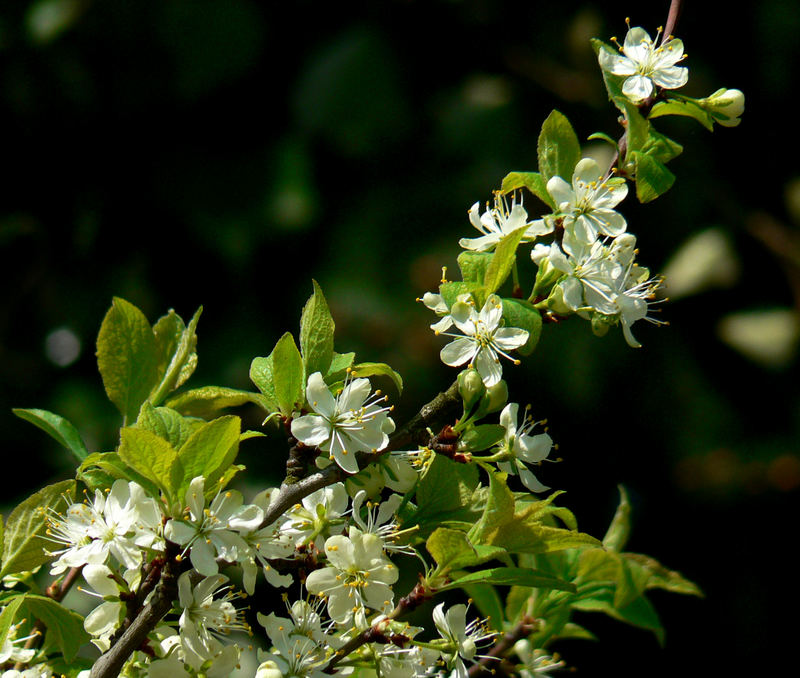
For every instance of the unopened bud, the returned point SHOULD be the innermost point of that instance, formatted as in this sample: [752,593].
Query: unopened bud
[496,396]
[470,387]
[725,106]
[557,303]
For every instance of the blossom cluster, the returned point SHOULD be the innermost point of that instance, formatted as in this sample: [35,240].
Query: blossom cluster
[345,541]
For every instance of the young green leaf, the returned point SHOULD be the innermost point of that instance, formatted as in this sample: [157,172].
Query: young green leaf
[316,333]
[473,266]
[481,437]
[450,292]
[261,374]
[207,401]
[288,375]
[338,367]
[7,616]
[58,428]
[151,456]
[686,107]
[23,542]
[652,177]
[378,369]
[499,507]
[533,181]
[180,355]
[511,576]
[167,423]
[127,357]
[660,577]
[100,469]
[447,546]
[503,260]
[620,528]
[558,147]
[209,451]
[520,313]
[64,627]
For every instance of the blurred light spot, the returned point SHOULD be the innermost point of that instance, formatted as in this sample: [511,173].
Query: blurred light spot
[704,261]
[768,337]
[487,91]
[48,18]
[783,472]
[62,347]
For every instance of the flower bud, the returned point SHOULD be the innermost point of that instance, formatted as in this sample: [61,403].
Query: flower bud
[725,106]
[470,386]
[557,303]
[601,323]
[496,397]
[369,479]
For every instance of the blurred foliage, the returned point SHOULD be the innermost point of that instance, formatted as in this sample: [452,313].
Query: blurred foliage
[223,153]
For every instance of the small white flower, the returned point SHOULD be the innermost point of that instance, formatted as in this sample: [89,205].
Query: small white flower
[498,222]
[357,576]
[646,65]
[380,521]
[353,421]
[317,517]
[483,340]
[522,447]
[462,638]
[536,663]
[10,650]
[213,533]
[105,618]
[437,304]
[587,205]
[205,619]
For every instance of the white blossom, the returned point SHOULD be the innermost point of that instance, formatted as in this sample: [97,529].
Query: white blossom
[645,65]
[318,516]
[484,339]
[212,532]
[522,447]
[357,576]
[462,638]
[586,207]
[498,222]
[536,663]
[352,421]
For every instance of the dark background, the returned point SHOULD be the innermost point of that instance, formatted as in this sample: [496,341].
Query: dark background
[182,153]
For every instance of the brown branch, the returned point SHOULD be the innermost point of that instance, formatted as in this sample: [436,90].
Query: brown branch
[675,7]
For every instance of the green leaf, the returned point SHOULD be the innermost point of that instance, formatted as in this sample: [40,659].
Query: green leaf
[602,136]
[685,107]
[473,266]
[499,507]
[288,375]
[64,627]
[524,534]
[127,357]
[637,126]
[23,542]
[481,437]
[450,292]
[447,546]
[338,367]
[207,401]
[639,613]
[488,603]
[261,374]
[100,469]
[445,492]
[167,423]
[316,333]
[558,147]
[620,528]
[511,576]
[503,260]
[662,148]
[209,451]
[58,428]
[178,353]
[7,616]
[612,82]
[660,577]
[533,181]
[520,313]
[151,456]
[652,177]
[376,370]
